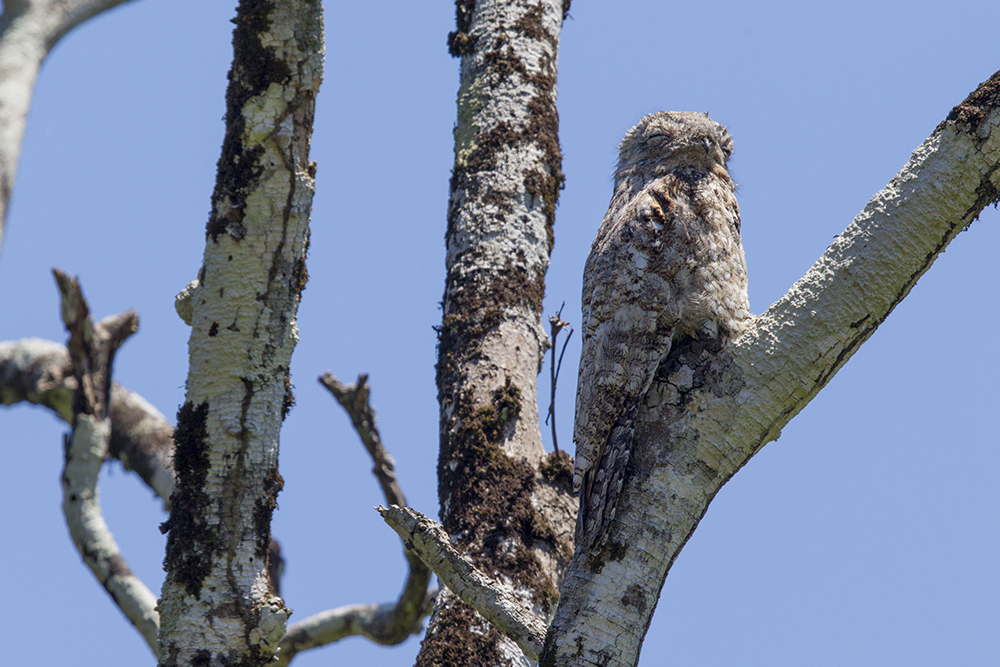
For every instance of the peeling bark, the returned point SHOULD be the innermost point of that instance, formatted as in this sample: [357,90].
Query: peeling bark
[498,508]
[217,606]
[709,411]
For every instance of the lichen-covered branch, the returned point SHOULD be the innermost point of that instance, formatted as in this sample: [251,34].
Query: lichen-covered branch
[38,371]
[28,31]
[91,350]
[708,412]
[491,598]
[377,622]
[500,511]
[217,606]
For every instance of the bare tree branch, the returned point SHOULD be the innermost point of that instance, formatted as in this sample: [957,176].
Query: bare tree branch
[377,622]
[28,31]
[494,600]
[39,371]
[92,350]
[393,623]
[354,399]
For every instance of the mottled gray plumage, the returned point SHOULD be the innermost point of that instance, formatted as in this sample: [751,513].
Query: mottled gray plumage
[667,263]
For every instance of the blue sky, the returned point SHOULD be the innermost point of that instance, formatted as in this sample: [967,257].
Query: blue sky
[866,535]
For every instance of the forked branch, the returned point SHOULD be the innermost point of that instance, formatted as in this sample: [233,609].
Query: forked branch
[92,349]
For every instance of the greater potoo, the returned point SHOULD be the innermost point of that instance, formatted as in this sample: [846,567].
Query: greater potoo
[667,263]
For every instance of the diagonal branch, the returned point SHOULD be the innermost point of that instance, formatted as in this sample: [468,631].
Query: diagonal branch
[354,399]
[390,626]
[28,31]
[494,601]
[92,349]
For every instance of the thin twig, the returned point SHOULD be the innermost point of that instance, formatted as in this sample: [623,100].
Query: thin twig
[354,399]
[558,324]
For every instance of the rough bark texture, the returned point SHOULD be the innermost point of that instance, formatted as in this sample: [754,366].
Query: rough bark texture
[492,599]
[709,411]
[92,349]
[217,607]
[28,31]
[512,521]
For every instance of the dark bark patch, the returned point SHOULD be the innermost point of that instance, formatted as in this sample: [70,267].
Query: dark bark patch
[117,567]
[213,330]
[975,108]
[255,67]
[454,646]
[557,469]
[191,542]
[986,194]
[476,303]
[530,25]
[635,597]
[460,42]
[201,658]
[275,565]
[490,494]
[288,402]
[300,275]
[263,509]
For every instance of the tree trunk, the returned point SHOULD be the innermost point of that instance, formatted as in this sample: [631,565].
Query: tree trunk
[512,520]
[217,606]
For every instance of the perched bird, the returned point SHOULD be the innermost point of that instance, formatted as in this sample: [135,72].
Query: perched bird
[667,264]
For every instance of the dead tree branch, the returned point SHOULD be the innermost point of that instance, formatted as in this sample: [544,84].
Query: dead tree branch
[38,371]
[492,599]
[354,399]
[28,31]
[377,622]
[91,350]
[391,623]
